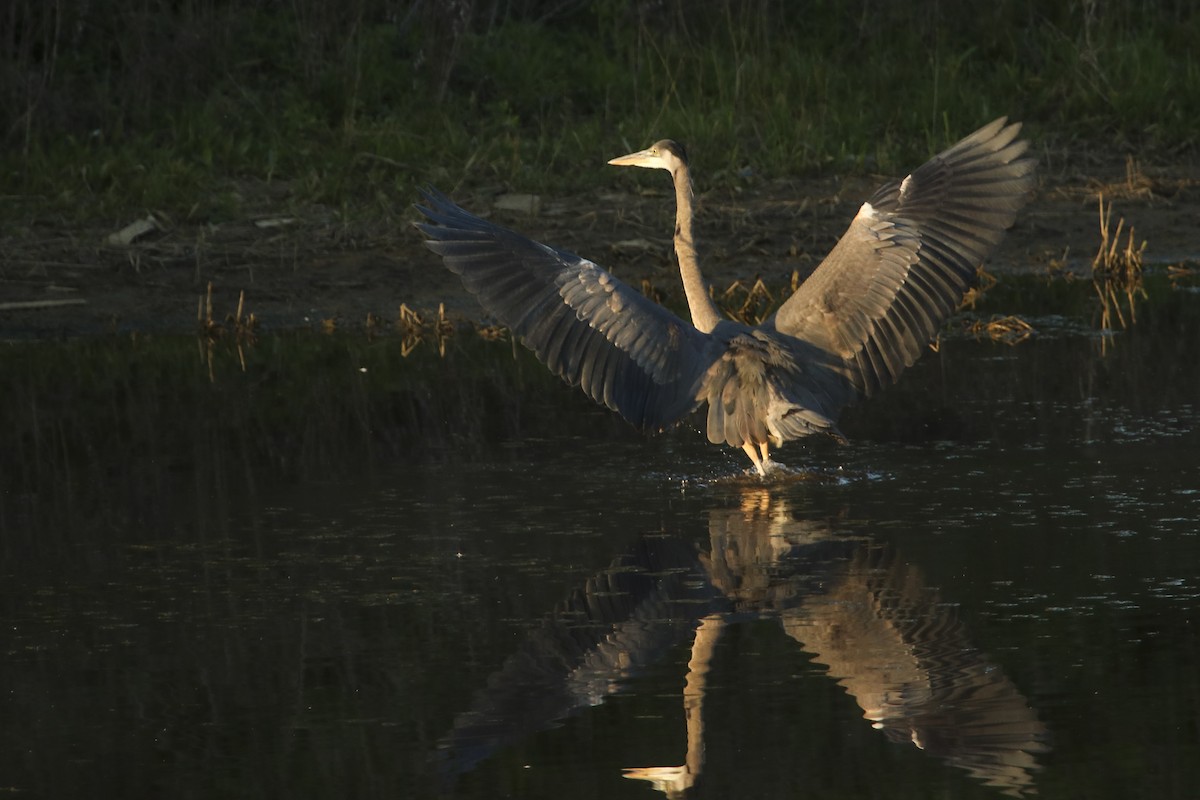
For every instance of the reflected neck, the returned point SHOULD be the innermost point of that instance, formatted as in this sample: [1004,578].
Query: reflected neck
[704,311]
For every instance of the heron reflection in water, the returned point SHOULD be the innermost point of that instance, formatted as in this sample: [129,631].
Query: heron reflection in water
[887,638]
[865,314]
[889,641]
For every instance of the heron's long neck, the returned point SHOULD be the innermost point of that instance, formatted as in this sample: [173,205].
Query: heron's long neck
[704,311]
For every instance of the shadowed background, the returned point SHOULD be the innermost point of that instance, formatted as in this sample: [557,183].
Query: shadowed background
[188,107]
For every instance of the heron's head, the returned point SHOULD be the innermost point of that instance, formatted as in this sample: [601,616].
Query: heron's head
[666,154]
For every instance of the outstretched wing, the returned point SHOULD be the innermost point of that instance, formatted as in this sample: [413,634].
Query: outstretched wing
[622,349]
[910,255]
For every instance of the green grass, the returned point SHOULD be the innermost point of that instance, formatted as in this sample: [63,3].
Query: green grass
[353,109]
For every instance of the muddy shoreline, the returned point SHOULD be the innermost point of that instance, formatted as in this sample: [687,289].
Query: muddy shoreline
[303,267]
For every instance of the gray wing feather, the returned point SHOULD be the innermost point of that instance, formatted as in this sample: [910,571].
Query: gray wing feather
[910,255]
[622,349]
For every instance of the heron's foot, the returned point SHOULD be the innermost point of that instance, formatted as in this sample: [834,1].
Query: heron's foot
[767,468]
[770,466]
[759,456]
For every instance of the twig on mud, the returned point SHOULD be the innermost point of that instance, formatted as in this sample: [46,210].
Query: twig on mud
[29,305]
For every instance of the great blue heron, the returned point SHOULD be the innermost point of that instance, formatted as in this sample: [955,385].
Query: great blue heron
[866,312]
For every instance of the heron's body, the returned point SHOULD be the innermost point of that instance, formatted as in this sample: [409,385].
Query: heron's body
[867,312]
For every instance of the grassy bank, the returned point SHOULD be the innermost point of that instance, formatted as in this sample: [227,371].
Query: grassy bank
[119,106]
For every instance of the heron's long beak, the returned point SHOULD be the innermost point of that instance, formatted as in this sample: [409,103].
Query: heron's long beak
[648,158]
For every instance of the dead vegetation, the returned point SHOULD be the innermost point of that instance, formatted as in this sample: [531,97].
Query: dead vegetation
[985,281]
[1181,275]
[414,329]
[750,304]
[1007,329]
[1136,184]
[238,327]
[1117,271]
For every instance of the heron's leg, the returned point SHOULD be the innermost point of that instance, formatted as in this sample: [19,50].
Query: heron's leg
[764,448]
[750,451]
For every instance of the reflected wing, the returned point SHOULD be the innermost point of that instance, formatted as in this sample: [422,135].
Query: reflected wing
[906,658]
[624,350]
[910,255]
[618,624]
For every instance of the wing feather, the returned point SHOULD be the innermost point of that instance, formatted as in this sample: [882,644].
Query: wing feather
[910,255]
[594,331]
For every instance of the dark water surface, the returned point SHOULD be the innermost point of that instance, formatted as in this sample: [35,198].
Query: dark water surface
[344,573]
